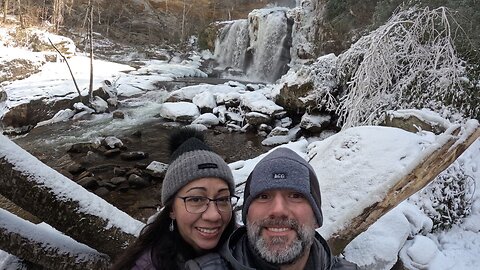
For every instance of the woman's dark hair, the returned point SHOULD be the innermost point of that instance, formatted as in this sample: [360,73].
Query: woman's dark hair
[165,245]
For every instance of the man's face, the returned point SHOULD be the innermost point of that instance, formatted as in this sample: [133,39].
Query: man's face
[280,226]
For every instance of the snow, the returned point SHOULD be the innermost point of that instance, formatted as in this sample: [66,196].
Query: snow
[64,188]
[354,167]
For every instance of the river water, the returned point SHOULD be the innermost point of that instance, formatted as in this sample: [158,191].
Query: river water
[50,143]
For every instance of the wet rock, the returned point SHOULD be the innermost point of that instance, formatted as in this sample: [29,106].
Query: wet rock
[118,180]
[138,181]
[112,142]
[82,147]
[91,158]
[118,115]
[118,171]
[75,168]
[129,156]
[101,191]
[112,152]
[88,182]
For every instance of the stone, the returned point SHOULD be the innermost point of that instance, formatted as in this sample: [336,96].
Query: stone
[88,182]
[138,181]
[130,156]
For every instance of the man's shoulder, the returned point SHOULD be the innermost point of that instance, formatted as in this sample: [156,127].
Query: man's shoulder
[210,261]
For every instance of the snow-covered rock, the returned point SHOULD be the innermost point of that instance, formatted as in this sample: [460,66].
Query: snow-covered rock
[179,111]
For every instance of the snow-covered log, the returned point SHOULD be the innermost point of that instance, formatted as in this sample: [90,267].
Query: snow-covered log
[436,159]
[45,246]
[62,203]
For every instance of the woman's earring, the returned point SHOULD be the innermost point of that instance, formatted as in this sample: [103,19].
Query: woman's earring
[171,227]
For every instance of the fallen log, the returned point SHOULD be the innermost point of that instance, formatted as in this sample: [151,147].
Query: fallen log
[46,246]
[434,161]
[62,203]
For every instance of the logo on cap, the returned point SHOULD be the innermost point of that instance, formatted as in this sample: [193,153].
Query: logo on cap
[279,176]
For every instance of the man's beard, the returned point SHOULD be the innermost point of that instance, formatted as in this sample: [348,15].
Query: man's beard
[277,250]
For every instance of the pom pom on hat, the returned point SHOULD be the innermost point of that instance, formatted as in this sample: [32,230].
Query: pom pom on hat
[192,159]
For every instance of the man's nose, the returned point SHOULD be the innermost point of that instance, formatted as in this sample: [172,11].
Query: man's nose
[279,206]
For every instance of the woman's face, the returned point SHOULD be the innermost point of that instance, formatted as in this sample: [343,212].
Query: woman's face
[203,230]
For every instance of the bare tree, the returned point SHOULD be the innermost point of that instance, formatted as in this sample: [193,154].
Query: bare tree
[57,17]
[5,10]
[90,37]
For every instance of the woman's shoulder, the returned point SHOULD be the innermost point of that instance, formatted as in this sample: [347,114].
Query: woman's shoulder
[144,261]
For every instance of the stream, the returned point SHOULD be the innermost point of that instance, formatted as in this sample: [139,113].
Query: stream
[140,130]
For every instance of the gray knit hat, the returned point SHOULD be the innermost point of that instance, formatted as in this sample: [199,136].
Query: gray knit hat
[283,169]
[192,159]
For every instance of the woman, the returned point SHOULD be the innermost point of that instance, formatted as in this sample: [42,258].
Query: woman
[197,194]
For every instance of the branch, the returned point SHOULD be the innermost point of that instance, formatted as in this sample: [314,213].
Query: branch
[71,73]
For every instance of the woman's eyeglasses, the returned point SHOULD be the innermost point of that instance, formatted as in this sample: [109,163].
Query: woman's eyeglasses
[199,204]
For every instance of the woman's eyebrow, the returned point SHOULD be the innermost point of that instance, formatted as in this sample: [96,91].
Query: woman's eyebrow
[195,188]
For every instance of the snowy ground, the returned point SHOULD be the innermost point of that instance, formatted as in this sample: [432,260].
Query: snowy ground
[353,168]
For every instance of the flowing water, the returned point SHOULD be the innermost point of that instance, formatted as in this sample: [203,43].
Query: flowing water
[50,143]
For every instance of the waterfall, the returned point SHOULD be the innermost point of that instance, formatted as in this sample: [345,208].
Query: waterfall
[259,46]
[269,51]
[231,44]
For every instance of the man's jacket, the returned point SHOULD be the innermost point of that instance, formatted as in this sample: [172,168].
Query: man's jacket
[237,255]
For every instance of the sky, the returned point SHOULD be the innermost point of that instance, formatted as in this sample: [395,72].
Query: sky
[354,167]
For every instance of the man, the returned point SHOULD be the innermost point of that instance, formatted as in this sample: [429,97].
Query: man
[281,210]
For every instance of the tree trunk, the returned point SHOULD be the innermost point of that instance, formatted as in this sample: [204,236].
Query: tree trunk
[5,10]
[90,38]
[419,177]
[61,203]
[46,247]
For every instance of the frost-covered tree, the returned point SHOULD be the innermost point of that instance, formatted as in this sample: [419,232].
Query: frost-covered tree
[409,62]
[448,199]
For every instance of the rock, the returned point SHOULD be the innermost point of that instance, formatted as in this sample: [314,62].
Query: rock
[207,119]
[278,131]
[99,105]
[118,171]
[179,111]
[118,180]
[3,95]
[75,168]
[138,181]
[256,118]
[88,182]
[118,115]
[112,152]
[112,142]
[101,191]
[315,123]
[129,156]
[82,147]
[157,169]
[205,101]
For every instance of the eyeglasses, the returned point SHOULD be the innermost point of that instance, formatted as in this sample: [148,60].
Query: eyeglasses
[199,204]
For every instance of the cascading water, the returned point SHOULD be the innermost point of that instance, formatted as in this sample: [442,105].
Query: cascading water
[232,43]
[269,51]
[259,46]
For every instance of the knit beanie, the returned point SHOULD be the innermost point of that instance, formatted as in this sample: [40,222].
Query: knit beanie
[192,159]
[283,169]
